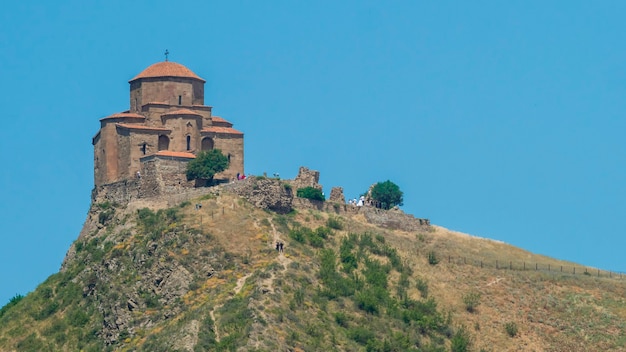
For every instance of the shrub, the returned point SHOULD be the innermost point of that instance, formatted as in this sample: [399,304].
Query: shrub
[105,216]
[461,340]
[13,301]
[310,193]
[471,301]
[341,319]
[422,286]
[77,317]
[511,329]
[334,223]
[432,258]
[297,234]
[360,334]
[387,193]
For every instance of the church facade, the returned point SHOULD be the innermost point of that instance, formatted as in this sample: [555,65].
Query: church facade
[167,123]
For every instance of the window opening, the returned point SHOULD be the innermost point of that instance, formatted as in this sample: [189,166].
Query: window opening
[180,100]
[143,148]
[188,142]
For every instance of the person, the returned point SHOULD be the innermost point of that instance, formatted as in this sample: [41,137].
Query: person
[138,174]
[277,246]
[281,246]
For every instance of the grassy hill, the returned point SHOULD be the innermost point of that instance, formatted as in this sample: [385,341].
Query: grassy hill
[210,279]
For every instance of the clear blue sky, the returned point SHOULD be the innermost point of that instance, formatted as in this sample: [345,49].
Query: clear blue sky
[499,119]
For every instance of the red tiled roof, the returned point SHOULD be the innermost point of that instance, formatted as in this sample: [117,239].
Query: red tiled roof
[166,69]
[175,154]
[220,122]
[218,119]
[124,114]
[140,127]
[218,129]
[181,112]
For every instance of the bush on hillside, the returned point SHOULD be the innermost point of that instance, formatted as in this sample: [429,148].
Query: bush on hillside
[310,193]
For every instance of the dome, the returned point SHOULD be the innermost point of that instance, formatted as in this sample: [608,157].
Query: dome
[167,69]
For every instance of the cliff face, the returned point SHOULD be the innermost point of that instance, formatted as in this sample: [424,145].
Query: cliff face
[205,275]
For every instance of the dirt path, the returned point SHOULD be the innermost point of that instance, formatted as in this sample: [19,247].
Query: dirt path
[266,284]
[240,282]
[281,255]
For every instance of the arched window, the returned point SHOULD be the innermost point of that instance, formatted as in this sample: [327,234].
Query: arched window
[229,157]
[207,143]
[164,142]
[188,142]
[180,100]
[143,148]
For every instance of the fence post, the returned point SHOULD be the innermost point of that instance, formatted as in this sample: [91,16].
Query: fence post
[536,266]
[448,259]
[511,265]
[497,265]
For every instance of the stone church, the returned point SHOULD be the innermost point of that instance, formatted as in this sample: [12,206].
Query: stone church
[166,126]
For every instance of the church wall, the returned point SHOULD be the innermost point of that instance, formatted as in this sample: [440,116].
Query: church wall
[233,145]
[153,115]
[167,90]
[136,100]
[108,138]
[162,176]
[198,93]
[137,139]
[180,130]
[123,142]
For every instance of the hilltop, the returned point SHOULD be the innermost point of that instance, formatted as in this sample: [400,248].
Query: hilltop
[203,274]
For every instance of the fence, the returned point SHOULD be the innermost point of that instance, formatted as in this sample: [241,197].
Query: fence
[534,266]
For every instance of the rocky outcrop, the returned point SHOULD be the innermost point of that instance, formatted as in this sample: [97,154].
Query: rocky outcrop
[265,193]
[394,219]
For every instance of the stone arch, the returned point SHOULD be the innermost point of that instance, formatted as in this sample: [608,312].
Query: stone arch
[207,143]
[164,142]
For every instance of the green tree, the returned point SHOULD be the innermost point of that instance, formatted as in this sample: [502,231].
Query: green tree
[387,193]
[206,165]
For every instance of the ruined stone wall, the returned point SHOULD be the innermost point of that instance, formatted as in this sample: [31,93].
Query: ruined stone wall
[306,178]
